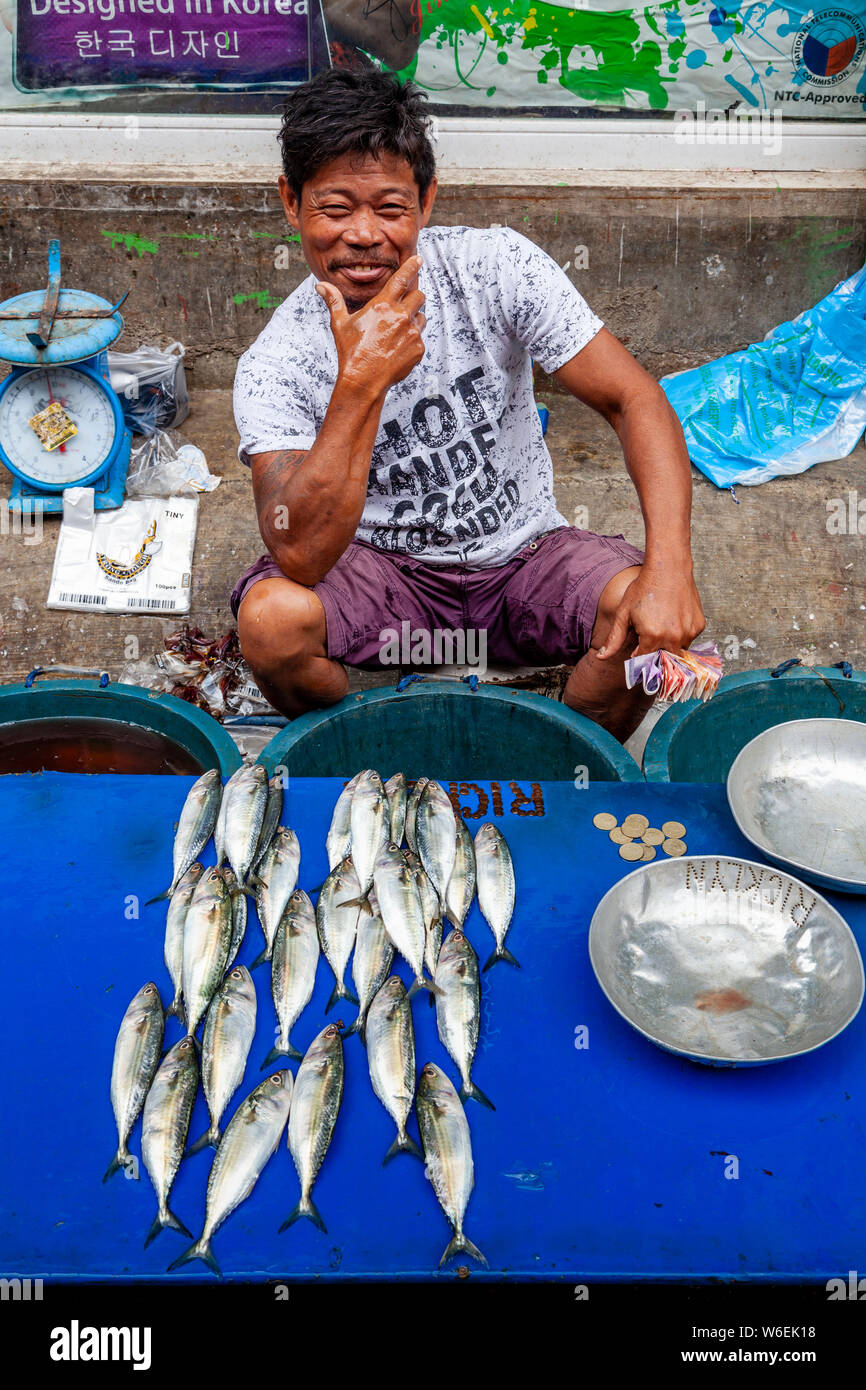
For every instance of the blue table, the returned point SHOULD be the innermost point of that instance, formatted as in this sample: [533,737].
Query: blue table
[599,1163]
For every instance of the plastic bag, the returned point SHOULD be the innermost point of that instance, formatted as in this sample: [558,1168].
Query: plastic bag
[151,384]
[167,465]
[780,406]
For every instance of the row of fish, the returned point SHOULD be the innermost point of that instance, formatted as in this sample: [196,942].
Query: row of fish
[377,900]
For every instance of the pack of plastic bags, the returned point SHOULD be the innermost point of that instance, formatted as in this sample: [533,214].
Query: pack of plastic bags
[677,676]
[780,406]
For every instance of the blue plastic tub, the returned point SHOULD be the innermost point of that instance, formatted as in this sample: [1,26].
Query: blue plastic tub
[442,728]
[698,742]
[70,701]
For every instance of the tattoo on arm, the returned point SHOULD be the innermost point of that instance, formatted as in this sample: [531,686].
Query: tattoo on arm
[271,473]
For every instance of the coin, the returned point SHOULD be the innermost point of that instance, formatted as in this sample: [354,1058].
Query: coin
[631,851]
[647,853]
[635,824]
[618,837]
[604,821]
[673,829]
[653,836]
[674,848]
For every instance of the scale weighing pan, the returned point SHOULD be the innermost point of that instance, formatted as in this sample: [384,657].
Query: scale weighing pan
[798,792]
[725,961]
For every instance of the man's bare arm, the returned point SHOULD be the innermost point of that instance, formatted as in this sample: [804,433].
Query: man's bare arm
[665,609]
[309,502]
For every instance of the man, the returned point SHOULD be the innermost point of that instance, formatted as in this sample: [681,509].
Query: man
[397,460]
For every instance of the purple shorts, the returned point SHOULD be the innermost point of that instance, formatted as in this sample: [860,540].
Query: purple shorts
[539,607]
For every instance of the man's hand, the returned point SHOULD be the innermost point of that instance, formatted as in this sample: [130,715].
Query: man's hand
[662,608]
[381,343]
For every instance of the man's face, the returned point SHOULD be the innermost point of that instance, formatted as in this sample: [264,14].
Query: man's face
[358,221]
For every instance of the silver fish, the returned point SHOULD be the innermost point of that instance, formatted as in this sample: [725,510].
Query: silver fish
[136,1054]
[316,1105]
[194,827]
[495,878]
[402,913]
[461,884]
[243,809]
[458,1010]
[207,935]
[432,918]
[250,1139]
[293,970]
[271,819]
[164,1127]
[391,1059]
[411,810]
[447,1154]
[239,913]
[369,820]
[436,834]
[374,955]
[336,922]
[339,840]
[395,790]
[228,1035]
[278,879]
[175,918]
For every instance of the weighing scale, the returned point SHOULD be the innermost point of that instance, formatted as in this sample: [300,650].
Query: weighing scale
[61,424]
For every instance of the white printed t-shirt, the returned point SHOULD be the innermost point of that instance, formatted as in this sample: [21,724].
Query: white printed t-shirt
[460,472]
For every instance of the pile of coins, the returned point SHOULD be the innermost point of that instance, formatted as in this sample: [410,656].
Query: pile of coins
[638,840]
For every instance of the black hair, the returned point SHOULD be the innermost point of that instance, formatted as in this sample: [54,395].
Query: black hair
[365,113]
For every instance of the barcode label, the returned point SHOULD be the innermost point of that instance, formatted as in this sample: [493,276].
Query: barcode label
[152,603]
[98,599]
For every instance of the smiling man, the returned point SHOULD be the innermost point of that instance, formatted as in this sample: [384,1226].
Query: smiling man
[398,464]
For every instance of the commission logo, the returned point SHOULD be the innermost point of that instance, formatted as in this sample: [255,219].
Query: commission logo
[829,47]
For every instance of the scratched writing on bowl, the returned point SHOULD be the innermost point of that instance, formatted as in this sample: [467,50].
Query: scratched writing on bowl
[730,876]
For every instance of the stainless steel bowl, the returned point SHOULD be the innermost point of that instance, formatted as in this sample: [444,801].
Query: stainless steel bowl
[725,961]
[798,792]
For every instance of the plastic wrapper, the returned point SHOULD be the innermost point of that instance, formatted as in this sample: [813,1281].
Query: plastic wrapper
[677,676]
[210,673]
[168,465]
[151,385]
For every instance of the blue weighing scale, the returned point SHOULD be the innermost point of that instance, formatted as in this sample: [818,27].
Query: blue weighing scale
[61,424]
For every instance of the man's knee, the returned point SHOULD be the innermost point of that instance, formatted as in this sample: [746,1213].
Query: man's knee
[611,597]
[279,621]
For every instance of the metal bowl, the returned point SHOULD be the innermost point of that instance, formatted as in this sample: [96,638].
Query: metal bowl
[798,792]
[725,961]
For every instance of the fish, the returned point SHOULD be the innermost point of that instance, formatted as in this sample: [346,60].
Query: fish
[316,1105]
[339,839]
[164,1127]
[461,884]
[207,936]
[395,790]
[239,913]
[136,1055]
[271,818]
[391,1059]
[458,1010]
[436,835]
[173,950]
[336,921]
[194,827]
[293,970]
[411,810]
[373,958]
[243,809]
[277,881]
[228,1036]
[251,1138]
[369,820]
[432,917]
[495,881]
[447,1154]
[402,913]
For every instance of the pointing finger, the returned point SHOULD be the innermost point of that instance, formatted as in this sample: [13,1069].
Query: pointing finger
[403,279]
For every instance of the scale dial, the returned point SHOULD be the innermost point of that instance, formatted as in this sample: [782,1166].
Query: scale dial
[89,407]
